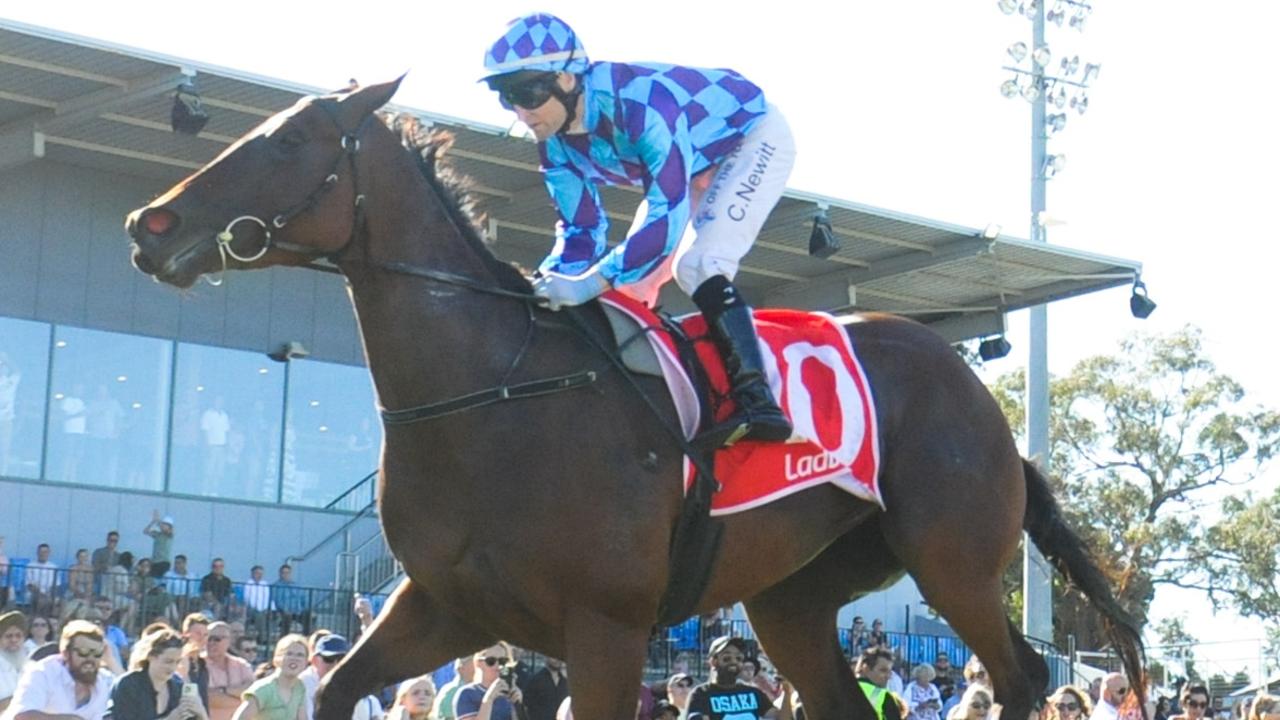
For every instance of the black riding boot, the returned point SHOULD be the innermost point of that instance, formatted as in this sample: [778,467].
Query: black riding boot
[757,416]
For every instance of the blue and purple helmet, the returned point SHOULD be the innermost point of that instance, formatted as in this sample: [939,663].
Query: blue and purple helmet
[539,41]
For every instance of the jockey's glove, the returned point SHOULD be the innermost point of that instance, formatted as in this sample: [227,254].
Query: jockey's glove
[565,290]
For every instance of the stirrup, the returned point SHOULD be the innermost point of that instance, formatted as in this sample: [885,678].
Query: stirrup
[722,435]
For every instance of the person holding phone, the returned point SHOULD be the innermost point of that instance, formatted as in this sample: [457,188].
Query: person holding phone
[152,690]
[491,696]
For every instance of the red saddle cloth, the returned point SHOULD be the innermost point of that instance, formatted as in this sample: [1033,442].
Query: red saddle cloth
[819,384]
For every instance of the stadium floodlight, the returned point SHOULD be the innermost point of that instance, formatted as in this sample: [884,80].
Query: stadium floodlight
[1070,65]
[1017,51]
[1090,72]
[1008,7]
[1053,164]
[1030,9]
[1042,56]
[1060,99]
[1077,20]
[1056,123]
[1056,16]
[1080,103]
[1031,91]
[1009,88]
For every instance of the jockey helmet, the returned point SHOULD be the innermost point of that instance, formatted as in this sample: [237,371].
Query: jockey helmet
[539,41]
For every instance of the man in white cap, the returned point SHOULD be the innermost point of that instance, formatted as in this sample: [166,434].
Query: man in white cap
[160,530]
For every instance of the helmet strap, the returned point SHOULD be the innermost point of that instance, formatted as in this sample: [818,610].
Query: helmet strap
[570,101]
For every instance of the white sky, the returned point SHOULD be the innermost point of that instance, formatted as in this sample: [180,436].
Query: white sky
[896,105]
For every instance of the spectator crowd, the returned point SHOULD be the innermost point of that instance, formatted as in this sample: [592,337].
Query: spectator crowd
[148,638]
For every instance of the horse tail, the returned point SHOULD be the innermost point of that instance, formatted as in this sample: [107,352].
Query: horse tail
[1062,547]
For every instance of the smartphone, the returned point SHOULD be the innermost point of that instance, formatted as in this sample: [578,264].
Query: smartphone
[190,690]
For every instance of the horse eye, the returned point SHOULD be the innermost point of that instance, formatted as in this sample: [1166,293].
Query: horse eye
[292,139]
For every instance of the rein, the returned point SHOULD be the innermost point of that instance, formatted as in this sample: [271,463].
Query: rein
[694,541]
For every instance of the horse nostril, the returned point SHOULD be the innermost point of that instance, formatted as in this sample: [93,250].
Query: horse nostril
[142,262]
[159,221]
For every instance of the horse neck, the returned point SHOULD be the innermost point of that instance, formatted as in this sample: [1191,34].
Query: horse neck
[425,340]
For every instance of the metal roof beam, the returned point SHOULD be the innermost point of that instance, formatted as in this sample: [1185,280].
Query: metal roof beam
[67,113]
[910,262]
[969,326]
[20,147]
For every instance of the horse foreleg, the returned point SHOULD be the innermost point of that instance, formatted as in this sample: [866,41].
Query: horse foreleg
[412,635]
[796,623]
[606,658]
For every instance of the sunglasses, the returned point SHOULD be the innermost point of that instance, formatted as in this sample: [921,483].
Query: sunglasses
[529,94]
[493,661]
[87,654]
[39,624]
[684,684]
[1067,707]
[1120,691]
[980,705]
[219,638]
[1195,704]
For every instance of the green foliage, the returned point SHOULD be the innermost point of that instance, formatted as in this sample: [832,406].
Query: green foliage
[1142,443]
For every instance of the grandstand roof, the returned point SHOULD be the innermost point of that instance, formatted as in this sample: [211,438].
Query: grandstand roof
[93,104]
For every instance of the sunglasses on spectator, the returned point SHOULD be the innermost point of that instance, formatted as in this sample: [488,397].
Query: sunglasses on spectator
[1120,691]
[86,654]
[1067,707]
[685,683]
[979,705]
[1196,704]
[39,623]
[492,661]
[219,638]
[529,94]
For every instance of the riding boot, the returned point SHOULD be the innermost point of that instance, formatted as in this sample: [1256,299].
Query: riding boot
[757,415]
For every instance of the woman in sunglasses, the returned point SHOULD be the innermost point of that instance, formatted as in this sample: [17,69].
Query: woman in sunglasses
[1068,703]
[1193,701]
[976,703]
[712,155]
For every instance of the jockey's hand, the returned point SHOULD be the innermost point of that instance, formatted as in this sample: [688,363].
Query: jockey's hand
[565,290]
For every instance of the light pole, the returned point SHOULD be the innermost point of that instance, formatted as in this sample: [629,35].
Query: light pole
[1036,84]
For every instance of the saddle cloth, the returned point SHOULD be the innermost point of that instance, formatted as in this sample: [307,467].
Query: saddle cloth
[817,380]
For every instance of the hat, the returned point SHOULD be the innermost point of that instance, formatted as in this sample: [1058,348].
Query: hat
[678,677]
[719,644]
[331,646]
[662,707]
[541,42]
[167,520]
[13,618]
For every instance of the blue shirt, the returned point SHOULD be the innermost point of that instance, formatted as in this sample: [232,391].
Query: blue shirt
[648,124]
[468,700]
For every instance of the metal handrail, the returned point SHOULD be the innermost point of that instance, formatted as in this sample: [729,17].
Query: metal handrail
[335,503]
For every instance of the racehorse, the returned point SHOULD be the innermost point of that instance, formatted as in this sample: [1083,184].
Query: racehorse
[546,521]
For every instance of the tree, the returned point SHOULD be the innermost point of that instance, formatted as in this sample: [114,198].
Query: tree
[1140,443]
[1177,646]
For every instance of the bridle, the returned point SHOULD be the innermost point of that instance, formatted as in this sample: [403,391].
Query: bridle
[349,143]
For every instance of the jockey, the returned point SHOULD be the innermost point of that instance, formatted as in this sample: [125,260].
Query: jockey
[712,156]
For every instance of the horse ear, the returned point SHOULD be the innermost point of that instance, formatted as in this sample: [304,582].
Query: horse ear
[371,97]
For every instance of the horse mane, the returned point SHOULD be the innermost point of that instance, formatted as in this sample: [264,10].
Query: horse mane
[428,147]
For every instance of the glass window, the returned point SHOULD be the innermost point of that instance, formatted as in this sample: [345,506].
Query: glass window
[24,376]
[334,436]
[108,408]
[226,423]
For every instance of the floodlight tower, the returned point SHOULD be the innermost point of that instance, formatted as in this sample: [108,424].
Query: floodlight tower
[1051,90]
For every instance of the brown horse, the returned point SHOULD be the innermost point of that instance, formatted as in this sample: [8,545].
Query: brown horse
[546,521]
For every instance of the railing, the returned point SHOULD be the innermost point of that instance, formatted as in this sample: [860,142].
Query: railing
[131,601]
[368,567]
[358,497]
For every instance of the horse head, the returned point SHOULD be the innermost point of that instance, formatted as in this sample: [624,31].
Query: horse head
[284,194]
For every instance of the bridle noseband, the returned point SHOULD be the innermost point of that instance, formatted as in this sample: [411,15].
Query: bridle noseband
[350,142]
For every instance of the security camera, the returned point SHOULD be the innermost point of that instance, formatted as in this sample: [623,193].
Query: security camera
[292,350]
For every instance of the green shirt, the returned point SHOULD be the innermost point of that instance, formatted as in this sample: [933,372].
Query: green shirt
[271,706]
